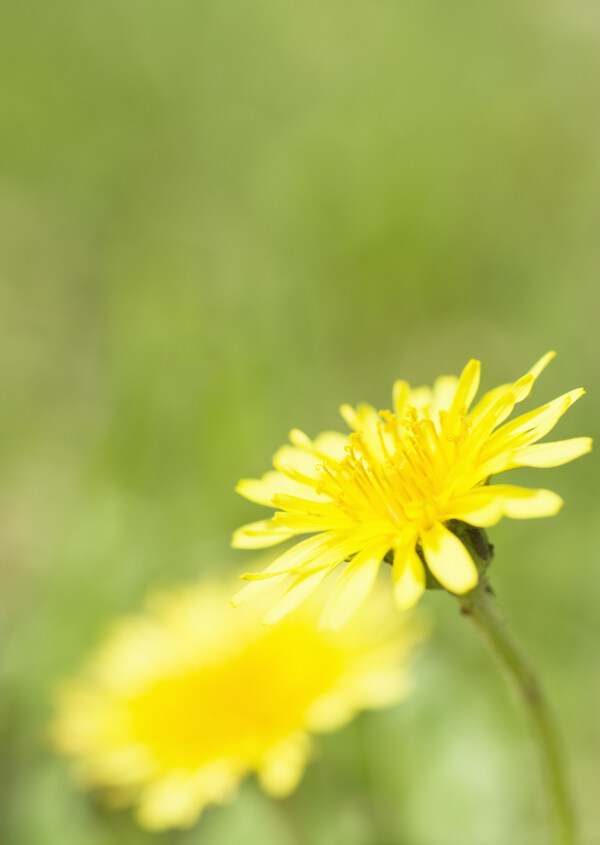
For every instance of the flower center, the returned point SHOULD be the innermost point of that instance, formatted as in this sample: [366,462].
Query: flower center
[238,707]
[399,473]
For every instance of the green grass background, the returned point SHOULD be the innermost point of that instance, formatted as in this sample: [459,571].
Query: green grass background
[221,220]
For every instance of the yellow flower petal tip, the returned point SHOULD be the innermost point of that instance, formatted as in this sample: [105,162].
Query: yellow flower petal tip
[541,365]
[182,702]
[400,477]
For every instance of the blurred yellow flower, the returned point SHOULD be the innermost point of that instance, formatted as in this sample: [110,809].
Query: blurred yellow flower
[393,485]
[181,703]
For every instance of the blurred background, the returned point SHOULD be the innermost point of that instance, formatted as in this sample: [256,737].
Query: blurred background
[221,220]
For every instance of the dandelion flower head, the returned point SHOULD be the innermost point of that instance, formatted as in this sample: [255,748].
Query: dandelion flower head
[182,702]
[392,487]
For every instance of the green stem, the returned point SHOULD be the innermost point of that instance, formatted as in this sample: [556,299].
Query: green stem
[478,607]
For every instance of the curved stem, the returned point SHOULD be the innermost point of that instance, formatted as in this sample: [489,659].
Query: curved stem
[478,607]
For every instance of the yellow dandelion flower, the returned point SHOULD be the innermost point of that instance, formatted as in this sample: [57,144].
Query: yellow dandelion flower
[393,485]
[181,703]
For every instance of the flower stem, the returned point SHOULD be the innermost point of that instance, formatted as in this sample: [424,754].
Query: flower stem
[478,607]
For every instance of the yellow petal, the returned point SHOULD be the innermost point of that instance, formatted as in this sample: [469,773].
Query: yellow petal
[333,444]
[260,535]
[255,589]
[494,413]
[522,388]
[444,391]
[521,503]
[488,400]
[309,523]
[271,577]
[542,364]
[360,418]
[420,398]
[519,390]
[485,506]
[409,575]
[177,798]
[492,466]
[262,490]
[299,458]
[300,590]
[400,395]
[532,426]
[282,766]
[449,560]
[259,490]
[306,507]
[311,554]
[466,389]
[353,586]
[478,508]
[298,556]
[299,483]
[301,440]
[552,454]
[366,421]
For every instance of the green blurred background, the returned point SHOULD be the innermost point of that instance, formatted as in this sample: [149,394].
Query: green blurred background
[221,220]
